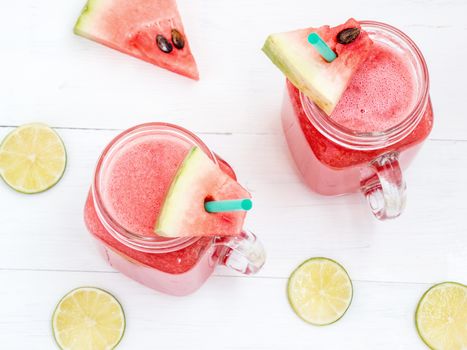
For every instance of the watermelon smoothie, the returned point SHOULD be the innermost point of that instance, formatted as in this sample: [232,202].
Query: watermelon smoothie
[132,178]
[375,130]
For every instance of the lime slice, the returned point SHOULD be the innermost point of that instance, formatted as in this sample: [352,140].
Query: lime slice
[320,291]
[32,158]
[88,319]
[441,316]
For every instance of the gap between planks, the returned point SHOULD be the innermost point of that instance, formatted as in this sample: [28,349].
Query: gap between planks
[21,270]
[206,132]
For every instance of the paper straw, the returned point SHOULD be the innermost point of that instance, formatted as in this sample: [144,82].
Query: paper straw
[228,205]
[320,46]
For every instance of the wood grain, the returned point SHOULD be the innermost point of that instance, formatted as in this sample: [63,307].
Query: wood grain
[228,313]
[66,80]
[90,93]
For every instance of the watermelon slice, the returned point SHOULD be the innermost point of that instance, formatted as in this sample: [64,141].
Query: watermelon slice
[198,180]
[151,30]
[318,79]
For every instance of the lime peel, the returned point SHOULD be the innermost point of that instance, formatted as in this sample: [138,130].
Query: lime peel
[441,316]
[88,318]
[32,158]
[320,291]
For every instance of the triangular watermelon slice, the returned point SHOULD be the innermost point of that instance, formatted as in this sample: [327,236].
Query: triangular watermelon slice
[198,180]
[151,30]
[320,80]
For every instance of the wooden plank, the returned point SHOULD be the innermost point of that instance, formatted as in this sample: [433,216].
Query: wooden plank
[48,74]
[51,75]
[228,313]
[426,244]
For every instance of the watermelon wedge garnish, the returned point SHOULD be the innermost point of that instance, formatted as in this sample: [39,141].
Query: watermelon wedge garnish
[318,79]
[150,30]
[199,180]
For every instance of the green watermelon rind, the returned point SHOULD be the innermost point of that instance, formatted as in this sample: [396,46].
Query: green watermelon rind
[295,66]
[188,177]
[82,24]
[85,25]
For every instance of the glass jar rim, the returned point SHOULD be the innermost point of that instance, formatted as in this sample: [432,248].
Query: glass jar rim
[131,239]
[374,140]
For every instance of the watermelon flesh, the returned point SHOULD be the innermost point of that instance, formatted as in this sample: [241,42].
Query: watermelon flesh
[318,79]
[199,180]
[132,26]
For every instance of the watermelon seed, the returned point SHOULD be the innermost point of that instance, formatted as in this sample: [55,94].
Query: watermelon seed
[348,35]
[177,39]
[163,44]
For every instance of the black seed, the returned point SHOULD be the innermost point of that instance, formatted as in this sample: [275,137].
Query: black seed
[348,35]
[163,44]
[177,39]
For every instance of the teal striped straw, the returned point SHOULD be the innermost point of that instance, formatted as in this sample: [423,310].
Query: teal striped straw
[323,48]
[228,205]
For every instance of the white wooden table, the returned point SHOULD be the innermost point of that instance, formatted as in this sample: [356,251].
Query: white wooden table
[90,93]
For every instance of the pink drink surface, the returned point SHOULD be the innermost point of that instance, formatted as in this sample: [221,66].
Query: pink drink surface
[381,93]
[137,180]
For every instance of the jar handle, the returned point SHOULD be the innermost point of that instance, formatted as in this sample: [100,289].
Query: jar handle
[243,253]
[384,187]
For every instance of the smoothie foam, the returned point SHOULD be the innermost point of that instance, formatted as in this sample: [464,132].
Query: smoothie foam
[137,179]
[381,93]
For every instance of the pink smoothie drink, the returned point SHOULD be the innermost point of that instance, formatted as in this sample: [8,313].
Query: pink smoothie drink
[126,201]
[381,96]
